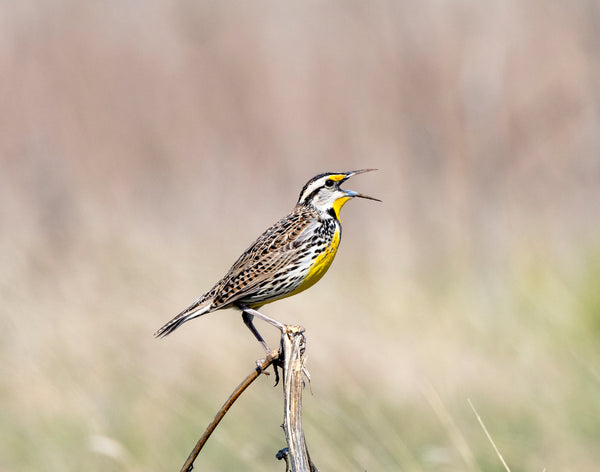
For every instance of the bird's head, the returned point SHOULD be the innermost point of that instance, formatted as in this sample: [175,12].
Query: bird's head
[324,193]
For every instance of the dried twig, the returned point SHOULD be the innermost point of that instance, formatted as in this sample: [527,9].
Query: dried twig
[189,463]
[291,354]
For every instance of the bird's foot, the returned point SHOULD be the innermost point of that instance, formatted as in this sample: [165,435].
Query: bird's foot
[277,362]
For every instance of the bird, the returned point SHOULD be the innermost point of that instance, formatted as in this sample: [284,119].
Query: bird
[288,258]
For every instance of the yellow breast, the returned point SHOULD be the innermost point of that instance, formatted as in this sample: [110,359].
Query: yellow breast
[315,272]
[320,264]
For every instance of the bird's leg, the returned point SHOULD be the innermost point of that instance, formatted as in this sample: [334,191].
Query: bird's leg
[248,317]
[262,316]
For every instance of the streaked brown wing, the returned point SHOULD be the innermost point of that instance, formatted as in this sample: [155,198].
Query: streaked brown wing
[273,250]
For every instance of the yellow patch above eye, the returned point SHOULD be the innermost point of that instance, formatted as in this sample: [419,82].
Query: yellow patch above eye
[336,177]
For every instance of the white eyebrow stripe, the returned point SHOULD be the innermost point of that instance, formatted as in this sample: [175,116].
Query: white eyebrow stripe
[310,189]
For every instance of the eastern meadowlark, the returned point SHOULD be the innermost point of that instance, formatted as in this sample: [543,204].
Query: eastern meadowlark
[289,257]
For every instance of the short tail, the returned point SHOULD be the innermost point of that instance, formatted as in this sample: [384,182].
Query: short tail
[193,311]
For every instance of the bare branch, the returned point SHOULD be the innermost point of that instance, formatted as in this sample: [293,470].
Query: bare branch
[189,463]
[291,355]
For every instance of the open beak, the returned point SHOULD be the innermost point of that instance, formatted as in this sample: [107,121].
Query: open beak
[352,193]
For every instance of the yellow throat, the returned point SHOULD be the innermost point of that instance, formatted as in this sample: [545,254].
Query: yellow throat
[338,204]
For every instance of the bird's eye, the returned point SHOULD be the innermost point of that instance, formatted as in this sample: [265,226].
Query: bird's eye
[329,183]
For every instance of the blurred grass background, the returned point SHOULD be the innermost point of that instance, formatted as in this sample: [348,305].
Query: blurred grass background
[143,146]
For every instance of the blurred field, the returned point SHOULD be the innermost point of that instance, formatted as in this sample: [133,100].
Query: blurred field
[143,145]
